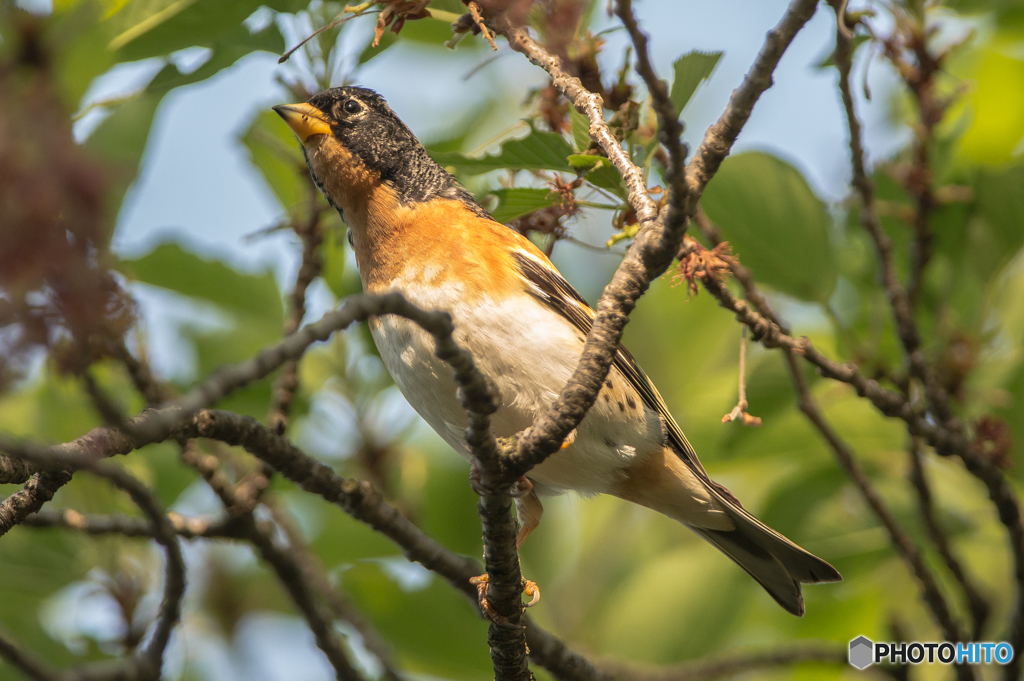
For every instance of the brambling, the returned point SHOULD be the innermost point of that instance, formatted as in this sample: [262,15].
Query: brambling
[415,230]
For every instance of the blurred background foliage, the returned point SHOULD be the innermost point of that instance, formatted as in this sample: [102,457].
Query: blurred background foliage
[617,580]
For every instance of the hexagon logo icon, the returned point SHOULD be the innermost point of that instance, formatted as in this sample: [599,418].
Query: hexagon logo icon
[861,652]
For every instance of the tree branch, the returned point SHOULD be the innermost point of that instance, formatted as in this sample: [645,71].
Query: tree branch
[1000,491]
[287,570]
[845,456]
[977,604]
[130,526]
[311,233]
[148,661]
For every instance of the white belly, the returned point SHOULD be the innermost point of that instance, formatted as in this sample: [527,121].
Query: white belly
[529,352]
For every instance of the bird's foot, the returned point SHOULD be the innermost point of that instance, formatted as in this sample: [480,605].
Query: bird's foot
[530,588]
[519,489]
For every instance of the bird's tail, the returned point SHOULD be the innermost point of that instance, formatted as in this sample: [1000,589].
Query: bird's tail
[779,565]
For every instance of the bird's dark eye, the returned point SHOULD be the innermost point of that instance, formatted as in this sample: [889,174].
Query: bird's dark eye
[351,106]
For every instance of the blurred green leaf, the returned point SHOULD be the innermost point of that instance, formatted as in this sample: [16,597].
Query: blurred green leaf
[540,150]
[369,52]
[172,267]
[228,49]
[121,139]
[153,28]
[999,235]
[790,504]
[775,223]
[690,71]
[518,201]
[410,621]
[332,256]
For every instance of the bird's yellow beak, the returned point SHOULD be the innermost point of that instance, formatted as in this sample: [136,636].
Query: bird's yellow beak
[305,120]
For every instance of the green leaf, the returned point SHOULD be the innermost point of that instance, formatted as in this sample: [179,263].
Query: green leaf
[121,139]
[540,150]
[171,267]
[229,48]
[995,239]
[690,70]
[369,52]
[600,172]
[332,255]
[580,129]
[518,201]
[775,223]
[154,28]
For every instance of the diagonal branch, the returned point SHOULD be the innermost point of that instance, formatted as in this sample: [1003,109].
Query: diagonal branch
[657,241]
[281,561]
[908,551]
[977,604]
[364,503]
[147,662]
[1000,491]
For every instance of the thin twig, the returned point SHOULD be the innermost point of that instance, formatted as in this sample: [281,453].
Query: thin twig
[740,410]
[474,9]
[287,570]
[149,660]
[311,233]
[910,554]
[978,605]
[1000,491]
[130,526]
[337,22]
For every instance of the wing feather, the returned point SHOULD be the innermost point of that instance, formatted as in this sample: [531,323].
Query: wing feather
[548,286]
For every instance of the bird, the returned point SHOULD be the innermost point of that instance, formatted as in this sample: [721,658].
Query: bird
[414,229]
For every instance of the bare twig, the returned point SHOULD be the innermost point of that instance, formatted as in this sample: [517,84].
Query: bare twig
[288,573]
[339,605]
[109,410]
[845,456]
[740,410]
[364,503]
[474,9]
[1000,491]
[977,604]
[311,234]
[148,661]
[593,106]
[900,540]
[25,661]
[130,526]
[337,22]
[37,491]
[656,243]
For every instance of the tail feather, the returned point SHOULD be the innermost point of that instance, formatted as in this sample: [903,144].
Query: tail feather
[778,565]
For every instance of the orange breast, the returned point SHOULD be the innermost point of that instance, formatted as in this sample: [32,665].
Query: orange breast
[441,240]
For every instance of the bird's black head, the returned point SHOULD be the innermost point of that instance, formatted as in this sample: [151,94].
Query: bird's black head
[365,125]
[362,123]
